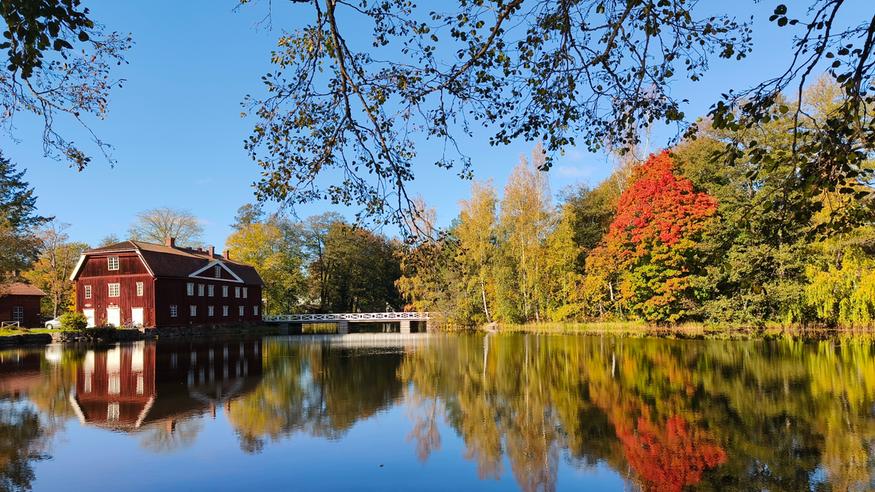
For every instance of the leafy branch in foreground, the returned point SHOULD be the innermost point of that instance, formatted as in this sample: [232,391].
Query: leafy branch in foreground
[545,69]
[58,62]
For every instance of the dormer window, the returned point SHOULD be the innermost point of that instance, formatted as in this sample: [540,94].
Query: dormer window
[112,263]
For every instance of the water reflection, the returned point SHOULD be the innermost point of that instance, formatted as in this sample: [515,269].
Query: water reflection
[527,411]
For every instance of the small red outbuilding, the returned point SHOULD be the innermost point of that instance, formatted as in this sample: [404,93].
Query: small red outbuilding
[20,302]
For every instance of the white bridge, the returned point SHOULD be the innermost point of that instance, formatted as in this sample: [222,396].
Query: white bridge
[344,319]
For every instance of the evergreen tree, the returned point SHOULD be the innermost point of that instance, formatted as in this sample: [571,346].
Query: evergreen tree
[19,221]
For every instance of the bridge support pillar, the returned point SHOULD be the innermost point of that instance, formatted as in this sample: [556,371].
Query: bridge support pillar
[405,326]
[342,327]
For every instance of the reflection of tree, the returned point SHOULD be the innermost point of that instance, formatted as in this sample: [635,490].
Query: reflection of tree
[425,432]
[22,441]
[671,458]
[171,434]
[314,389]
[665,414]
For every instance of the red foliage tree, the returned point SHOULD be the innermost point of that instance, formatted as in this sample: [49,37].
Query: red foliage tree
[658,207]
[659,220]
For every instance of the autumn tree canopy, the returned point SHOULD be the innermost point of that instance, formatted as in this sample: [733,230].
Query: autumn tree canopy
[649,249]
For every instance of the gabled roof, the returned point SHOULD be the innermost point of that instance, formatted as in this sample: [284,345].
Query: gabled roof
[173,261]
[20,289]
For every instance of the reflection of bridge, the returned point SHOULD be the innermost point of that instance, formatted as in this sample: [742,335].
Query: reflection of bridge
[407,322]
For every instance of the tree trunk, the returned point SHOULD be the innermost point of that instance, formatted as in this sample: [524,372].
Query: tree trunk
[485,306]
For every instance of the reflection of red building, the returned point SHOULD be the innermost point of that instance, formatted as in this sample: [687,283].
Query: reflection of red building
[129,386]
[117,386]
[19,371]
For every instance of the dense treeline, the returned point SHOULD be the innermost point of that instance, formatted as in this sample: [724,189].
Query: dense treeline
[688,234]
[321,264]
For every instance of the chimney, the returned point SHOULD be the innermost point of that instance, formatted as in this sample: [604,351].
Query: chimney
[170,242]
[212,251]
[227,254]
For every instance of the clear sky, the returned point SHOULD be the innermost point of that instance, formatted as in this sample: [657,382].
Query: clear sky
[178,133]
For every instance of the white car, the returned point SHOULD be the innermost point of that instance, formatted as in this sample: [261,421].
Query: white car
[54,324]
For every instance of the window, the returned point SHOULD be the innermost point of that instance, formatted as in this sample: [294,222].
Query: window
[88,292]
[237,292]
[210,311]
[114,290]
[189,288]
[224,310]
[112,263]
[114,385]
[18,313]
[218,271]
[192,310]
[139,289]
[174,310]
[245,292]
[224,291]
[255,310]
[242,312]
[200,290]
[211,290]
[112,412]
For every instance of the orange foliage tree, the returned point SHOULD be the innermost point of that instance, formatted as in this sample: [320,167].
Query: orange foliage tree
[649,249]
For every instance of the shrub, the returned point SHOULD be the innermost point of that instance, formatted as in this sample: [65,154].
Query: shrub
[73,321]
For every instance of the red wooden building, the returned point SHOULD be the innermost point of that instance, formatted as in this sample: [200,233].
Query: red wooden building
[155,285]
[20,302]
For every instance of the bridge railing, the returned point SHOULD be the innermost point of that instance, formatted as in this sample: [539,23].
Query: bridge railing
[329,317]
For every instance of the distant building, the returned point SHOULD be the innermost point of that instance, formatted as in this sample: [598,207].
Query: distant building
[20,302]
[154,285]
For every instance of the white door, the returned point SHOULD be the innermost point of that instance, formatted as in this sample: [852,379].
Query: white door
[89,315]
[137,316]
[113,316]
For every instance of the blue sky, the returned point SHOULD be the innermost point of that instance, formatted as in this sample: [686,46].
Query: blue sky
[178,133]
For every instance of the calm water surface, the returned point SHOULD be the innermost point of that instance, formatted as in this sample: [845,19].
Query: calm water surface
[440,413]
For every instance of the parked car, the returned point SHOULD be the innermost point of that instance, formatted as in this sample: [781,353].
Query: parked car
[53,324]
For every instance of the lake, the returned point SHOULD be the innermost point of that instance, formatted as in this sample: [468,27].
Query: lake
[496,412]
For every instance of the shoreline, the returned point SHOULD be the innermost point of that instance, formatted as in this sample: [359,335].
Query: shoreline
[623,329]
[690,331]
[19,338]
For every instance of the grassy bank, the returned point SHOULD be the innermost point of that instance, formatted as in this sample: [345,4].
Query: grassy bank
[687,330]
[11,332]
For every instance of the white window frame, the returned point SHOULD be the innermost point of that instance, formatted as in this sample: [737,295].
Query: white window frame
[200,290]
[118,289]
[255,310]
[211,311]
[174,310]
[211,290]
[225,311]
[192,310]
[218,271]
[88,292]
[246,292]
[242,311]
[224,291]
[189,288]
[18,313]
[236,292]
[112,263]
[139,289]
[112,411]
